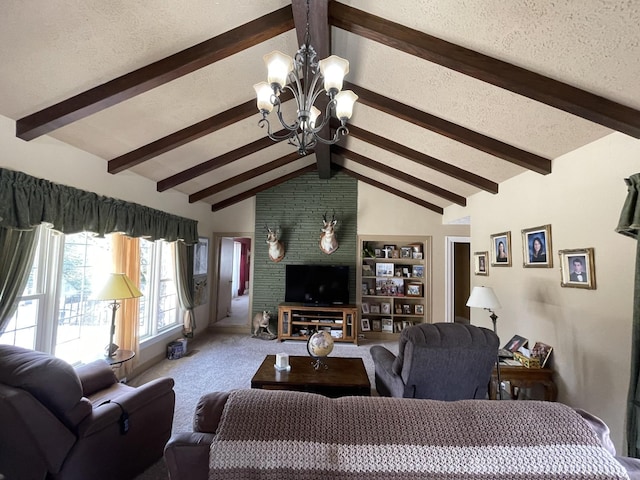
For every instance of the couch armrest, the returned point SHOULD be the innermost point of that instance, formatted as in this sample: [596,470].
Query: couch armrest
[95,376]
[132,401]
[631,465]
[388,382]
[187,456]
[208,412]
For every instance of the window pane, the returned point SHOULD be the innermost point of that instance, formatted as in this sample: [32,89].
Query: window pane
[146,263]
[83,324]
[167,314]
[21,330]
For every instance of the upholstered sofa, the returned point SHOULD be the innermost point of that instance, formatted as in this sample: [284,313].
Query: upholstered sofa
[61,423]
[251,434]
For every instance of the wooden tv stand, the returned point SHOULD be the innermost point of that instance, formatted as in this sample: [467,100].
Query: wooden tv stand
[294,319]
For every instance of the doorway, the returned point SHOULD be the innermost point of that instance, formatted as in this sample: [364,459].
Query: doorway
[233,282]
[458,279]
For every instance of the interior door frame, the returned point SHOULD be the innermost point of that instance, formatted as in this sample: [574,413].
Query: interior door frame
[449,280]
[217,241]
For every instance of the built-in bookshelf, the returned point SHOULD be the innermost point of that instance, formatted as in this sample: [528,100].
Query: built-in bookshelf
[394,287]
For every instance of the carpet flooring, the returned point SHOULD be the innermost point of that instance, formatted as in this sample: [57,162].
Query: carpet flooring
[225,361]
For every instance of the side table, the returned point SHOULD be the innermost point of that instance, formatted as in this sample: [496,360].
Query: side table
[120,357]
[522,379]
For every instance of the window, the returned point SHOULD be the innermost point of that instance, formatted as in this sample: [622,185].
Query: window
[67,269]
[157,283]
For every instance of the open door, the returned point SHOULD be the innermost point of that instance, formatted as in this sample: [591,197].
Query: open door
[225,278]
[457,279]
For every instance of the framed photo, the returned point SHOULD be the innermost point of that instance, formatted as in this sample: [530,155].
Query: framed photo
[536,246]
[388,251]
[419,309]
[406,309]
[413,290]
[417,255]
[515,343]
[395,253]
[364,325]
[541,351]
[481,263]
[384,270]
[378,253]
[385,308]
[417,271]
[406,252]
[387,325]
[365,289]
[374,308]
[365,308]
[578,268]
[501,249]
[376,325]
[398,308]
[367,271]
[201,256]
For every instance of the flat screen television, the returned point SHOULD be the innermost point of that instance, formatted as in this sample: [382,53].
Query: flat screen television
[321,285]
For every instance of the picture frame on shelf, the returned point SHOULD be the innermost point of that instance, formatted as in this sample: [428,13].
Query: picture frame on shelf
[406,309]
[577,268]
[378,253]
[365,289]
[395,253]
[398,308]
[398,272]
[480,263]
[419,309]
[384,269]
[406,252]
[501,249]
[365,326]
[536,247]
[374,308]
[385,308]
[367,271]
[405,272]
[388,249]
[376,325]
[417,271]
[387,325]
[365,307]
[413,289]
[417,255]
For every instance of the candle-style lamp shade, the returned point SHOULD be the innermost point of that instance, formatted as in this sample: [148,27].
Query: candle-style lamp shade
[117,287]
[484,297]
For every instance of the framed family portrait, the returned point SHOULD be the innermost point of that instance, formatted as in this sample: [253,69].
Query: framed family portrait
[578,268]
[501,249]
[536,245]
[481,263]
[376,325]
[364,325]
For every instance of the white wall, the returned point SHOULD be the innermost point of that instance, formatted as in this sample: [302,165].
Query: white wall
[48,158]
[590,330]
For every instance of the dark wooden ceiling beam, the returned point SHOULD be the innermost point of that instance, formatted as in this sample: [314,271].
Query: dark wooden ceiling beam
[404,177]
[188,134]
[491,70]
[453,131]
[243,177]
[265,186]
[387,188]
[217,162]
[320,39]
[424,160]
[155,74]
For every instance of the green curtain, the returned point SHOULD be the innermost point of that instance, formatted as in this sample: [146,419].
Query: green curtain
[26,202]
[183,264]
[17,248]
[629,225]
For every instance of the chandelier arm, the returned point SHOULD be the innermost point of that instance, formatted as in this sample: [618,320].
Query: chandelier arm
[341,131]
[264,121]
[291,127]
[325,119]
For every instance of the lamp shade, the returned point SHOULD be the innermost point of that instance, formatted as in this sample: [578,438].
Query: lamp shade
[263,93]
[117,287]
[278,66]
[344,106]
[483,297]
[333,69]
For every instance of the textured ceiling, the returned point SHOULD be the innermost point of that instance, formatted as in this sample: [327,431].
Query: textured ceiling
[51,51]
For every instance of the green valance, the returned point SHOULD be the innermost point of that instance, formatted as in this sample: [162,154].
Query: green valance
[26,202]
[629,223]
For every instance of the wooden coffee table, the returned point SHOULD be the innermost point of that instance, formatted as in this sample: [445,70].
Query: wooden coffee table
[343,377]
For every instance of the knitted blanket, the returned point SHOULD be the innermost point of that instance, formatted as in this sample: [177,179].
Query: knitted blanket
[284,435]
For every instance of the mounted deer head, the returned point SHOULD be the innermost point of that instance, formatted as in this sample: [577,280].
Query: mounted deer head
[276,248]
[328,240]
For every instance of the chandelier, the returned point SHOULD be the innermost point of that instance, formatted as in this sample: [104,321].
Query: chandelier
[306,78]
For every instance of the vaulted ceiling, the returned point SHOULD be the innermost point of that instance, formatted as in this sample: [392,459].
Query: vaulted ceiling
[455,96]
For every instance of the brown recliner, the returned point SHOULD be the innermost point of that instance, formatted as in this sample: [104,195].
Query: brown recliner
[61,423]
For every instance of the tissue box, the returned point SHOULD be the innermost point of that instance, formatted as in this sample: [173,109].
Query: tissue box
[175,350]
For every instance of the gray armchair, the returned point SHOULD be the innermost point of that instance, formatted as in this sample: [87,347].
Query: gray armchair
[439,361]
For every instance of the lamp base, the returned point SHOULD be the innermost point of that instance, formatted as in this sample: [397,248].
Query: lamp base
[110,350]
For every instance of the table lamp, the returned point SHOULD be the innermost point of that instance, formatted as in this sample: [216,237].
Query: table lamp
[117,287]
[484,297]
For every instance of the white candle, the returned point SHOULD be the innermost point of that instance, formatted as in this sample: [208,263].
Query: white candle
[282,360]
